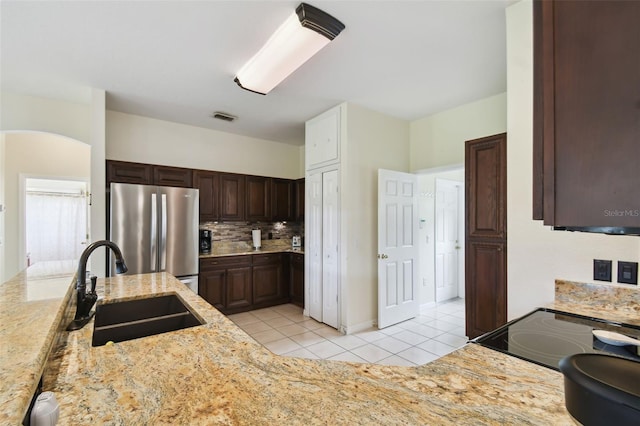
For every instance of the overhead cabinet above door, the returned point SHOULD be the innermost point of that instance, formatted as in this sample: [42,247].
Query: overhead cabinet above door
[322,139]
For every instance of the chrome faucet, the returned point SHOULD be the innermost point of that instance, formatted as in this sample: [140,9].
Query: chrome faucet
[87,300]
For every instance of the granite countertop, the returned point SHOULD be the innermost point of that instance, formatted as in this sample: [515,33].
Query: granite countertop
[216,374]
[239,248]
[32,305]
[614,302]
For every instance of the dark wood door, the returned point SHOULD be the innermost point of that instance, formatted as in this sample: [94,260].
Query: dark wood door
[238,288]
[258,197]
[211,287]
[297,279]
[126,172]
[232,189]
[282,204]
[172,176]
[299,199]
[208,185]
[486,234]
[587,113]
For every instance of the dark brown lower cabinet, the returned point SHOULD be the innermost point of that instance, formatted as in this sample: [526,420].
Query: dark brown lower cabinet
[238,288]
[485,292]
[236,284]
[225,282]
[211,287]
[269,282]
[297,279]
[486,234]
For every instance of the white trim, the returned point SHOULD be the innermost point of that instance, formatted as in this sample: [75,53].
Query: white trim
[440,169]
[356,328]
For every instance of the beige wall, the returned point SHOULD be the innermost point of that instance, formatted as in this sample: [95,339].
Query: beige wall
[437,151]
[438,140]
[536,256]
[32,113]
[370,141]
[98,216]
[79,121]
[2,203]
[147,140]
[36,154]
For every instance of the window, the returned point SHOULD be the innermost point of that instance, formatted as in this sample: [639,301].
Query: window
[56,219]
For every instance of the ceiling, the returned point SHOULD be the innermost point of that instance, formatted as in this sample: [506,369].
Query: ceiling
[176,60]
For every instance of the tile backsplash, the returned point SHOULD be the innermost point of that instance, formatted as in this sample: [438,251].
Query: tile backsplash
[241,231]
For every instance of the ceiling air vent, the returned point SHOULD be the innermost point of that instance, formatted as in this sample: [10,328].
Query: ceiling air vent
[223,116]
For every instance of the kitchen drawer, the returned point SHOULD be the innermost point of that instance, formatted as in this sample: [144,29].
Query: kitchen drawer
[263,259]
[223,262]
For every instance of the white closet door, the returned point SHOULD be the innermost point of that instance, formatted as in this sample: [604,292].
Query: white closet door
[330,233]
[313,249]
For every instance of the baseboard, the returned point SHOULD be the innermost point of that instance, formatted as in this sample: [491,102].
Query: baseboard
[358,327]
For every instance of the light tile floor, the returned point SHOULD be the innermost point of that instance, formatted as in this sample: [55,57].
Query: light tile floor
[285,331]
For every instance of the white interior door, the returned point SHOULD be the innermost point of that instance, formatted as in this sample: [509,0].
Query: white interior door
[330,233]
[398,251]
[313,244]
[447,237]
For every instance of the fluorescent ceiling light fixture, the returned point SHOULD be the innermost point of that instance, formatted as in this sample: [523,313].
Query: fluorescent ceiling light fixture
[300,37]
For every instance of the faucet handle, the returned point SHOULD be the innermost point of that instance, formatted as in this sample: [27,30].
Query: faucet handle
[93,284]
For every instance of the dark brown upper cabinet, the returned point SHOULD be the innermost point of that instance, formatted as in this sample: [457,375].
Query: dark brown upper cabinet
[208,184]
[486,169]
[223,196]
[299,200]
[282,204]
[148,174]
[587,113]
[258,196]
[232,197]
[172,176]
[126,172]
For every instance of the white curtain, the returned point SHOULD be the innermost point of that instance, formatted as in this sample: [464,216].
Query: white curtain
[56,226]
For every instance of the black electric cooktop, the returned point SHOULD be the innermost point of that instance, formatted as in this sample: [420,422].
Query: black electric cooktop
[545,336]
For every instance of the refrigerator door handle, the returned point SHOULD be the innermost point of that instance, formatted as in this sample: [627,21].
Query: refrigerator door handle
[163,234]
[154,232]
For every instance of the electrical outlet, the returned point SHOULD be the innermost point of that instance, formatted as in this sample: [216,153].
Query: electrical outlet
[628,272]
[601,270]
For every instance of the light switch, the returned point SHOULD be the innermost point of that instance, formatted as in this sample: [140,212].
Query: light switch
[601,270]
[628,272]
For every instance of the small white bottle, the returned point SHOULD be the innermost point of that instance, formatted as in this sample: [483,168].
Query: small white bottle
[46,410]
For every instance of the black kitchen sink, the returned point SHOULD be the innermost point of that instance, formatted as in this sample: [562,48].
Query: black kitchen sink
[602,389]
[132,319]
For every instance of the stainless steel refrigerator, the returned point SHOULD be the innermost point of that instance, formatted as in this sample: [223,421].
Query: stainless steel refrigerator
[156,228]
